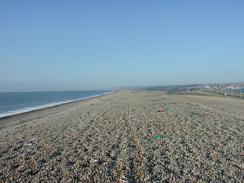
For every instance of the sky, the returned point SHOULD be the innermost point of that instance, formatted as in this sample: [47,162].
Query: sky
[88,45]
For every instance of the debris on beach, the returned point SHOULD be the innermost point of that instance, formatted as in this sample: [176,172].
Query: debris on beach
[93,161]
[161,110]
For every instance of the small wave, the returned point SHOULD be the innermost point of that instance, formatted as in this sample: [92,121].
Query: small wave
[33,108]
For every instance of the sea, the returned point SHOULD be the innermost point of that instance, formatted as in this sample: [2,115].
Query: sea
[12,103]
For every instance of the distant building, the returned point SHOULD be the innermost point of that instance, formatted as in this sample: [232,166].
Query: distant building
[207,87]
[233,87]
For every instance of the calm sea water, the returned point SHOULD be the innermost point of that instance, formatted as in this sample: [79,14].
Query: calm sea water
[19,102]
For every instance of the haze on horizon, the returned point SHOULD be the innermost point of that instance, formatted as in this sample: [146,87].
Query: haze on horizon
[82,45]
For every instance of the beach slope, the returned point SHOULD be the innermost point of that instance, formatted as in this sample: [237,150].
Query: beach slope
[128,136]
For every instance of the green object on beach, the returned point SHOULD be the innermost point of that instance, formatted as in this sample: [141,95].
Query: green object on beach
[157,137]
[194,114]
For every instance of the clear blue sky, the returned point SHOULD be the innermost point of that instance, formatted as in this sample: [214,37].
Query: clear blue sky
[72,45]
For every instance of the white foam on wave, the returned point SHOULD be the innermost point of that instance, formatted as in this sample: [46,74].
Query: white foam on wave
[29,109]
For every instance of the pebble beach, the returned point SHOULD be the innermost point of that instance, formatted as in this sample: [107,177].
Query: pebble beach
[127,137]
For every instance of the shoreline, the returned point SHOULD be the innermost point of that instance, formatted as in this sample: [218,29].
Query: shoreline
[25,110]
[15,119]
